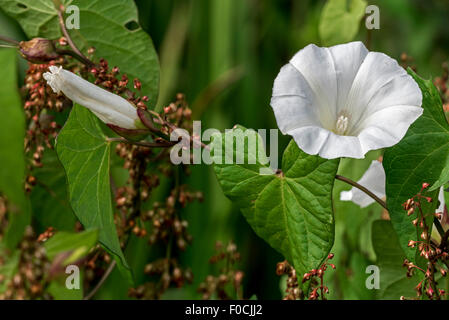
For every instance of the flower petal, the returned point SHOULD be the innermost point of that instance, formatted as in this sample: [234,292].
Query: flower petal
[328,145]
[347,61]
[376,86]
[293,101]
[317,67]
[387,126]
[441,199]
[109,107]
[374,180]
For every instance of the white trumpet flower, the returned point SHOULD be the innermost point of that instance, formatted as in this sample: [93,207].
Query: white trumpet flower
[374,180]
[108,107]
[344,101]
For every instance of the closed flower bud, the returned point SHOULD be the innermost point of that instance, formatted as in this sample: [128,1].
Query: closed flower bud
[38,50]
[110,108]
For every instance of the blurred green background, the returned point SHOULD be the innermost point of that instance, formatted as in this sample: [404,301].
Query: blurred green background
[224,55]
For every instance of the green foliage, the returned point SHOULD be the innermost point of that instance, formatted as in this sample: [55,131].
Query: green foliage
[107,28]
[418,158]
[340,21]
[204,43]
[12,133]
[84,153]
[51,207]
[75,245]
[9,267]
[390,257]
[292,211]
[59,291]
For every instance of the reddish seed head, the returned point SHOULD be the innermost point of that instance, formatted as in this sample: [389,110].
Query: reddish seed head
[137,84]
[62,41]
[330,256]
[430,292]
[306,277]
[280,268]
[424,235]
[425,185]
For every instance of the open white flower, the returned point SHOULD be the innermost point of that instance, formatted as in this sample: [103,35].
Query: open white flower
[344,101]
[374,180]
[110,108]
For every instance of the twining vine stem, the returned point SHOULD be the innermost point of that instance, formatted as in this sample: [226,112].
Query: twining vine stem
[166,144]
[362,188]
[101,282]
[76,52]
[9,40]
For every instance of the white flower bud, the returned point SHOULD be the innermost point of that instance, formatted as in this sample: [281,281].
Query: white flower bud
[109,107]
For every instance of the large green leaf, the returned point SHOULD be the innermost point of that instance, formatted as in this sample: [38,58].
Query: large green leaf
[111,27]
[292,211]
[420,157]
[76,244]
[340,20]
[390,257]
[12,159]
[49,198]
[84,153]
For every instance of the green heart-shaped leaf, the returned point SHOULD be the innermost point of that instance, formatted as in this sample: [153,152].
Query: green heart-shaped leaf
[291,210]
[421,156]
[84,152]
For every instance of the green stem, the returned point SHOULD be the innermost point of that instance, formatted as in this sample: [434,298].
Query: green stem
[9,40]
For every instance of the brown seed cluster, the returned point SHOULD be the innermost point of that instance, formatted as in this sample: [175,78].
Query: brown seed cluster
[29,280]
[47,234]
[164,273]
[435,255]
[441,83]
[293,291]
[316,278]
[228,283]
[406,61]
[40,105]
[162,225]
[111,80]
